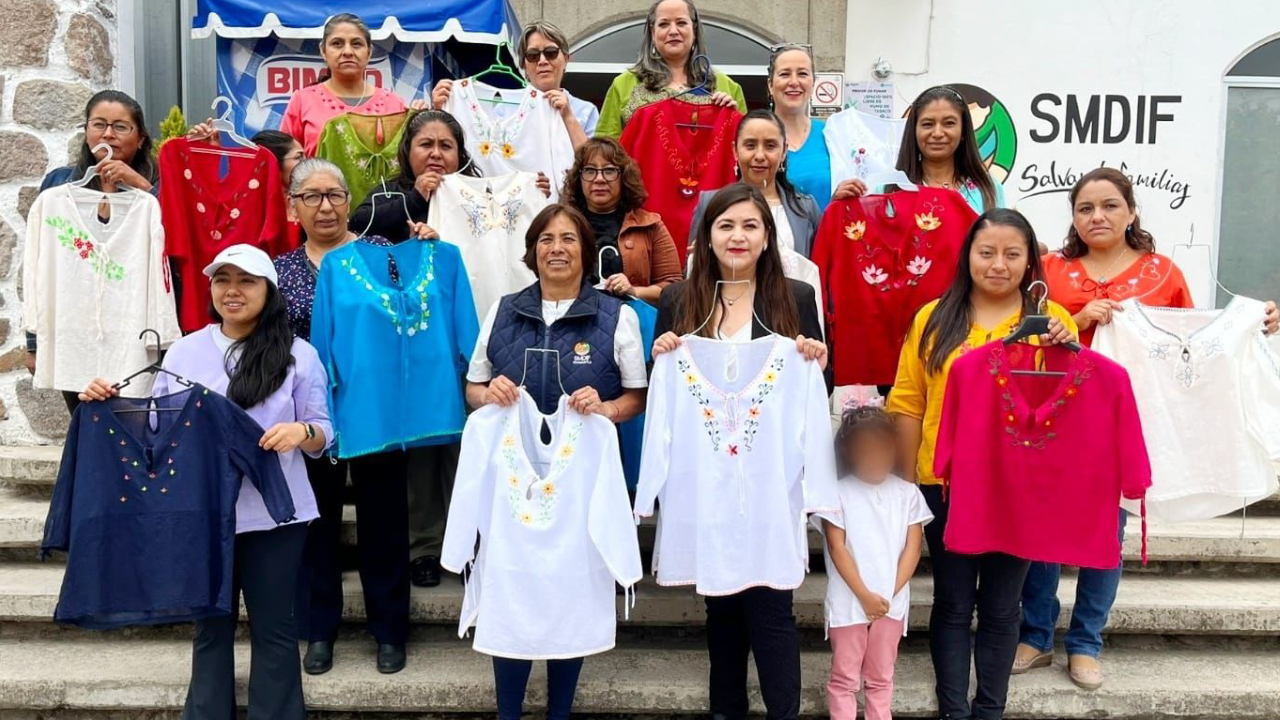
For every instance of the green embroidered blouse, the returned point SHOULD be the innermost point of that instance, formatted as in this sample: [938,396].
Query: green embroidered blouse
[626,95]
[365,148]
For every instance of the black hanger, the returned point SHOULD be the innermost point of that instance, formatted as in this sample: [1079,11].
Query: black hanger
[706,64]
[1035,326]
[152,368]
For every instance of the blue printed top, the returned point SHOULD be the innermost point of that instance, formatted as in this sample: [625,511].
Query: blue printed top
[395,347]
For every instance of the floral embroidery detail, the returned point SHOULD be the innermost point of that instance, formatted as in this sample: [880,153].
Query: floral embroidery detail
[708,414]
[253,184]
[485,148]
[918,267]
[235,213]
[508,151]
[199,207]
[187,173]
[1158,351]
[487,212]
[855,230]
[533,502]
[1079,374]
[74,238]
[496,135]
[733,451]
[874,275]
[689,170]
[928,221]
[714,423]
[410,322]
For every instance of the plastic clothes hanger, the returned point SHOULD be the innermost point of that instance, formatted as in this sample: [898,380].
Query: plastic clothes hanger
[226,129]
[373,205]
[153,368]
[501,68]
[91,174]
[705,62]
[1035,326]
[892,177]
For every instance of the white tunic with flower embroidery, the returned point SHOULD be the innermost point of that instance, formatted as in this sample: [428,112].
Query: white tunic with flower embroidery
[487,219]
[518,132]
[737,450]
[92,288]
[555,532]
[1208,393]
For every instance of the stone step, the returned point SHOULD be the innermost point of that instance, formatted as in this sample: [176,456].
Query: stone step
[1145,604]
[61,678]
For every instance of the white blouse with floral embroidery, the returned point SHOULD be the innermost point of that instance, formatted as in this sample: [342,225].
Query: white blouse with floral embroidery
[555,532]
[737,450]
[1208,392]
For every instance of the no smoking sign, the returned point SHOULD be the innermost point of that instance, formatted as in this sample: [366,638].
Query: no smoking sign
[828,90]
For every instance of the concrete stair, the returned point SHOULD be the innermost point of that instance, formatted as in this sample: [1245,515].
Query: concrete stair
[1196,634]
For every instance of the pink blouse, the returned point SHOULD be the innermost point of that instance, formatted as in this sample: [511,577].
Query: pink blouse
[313,106]
[1035,465]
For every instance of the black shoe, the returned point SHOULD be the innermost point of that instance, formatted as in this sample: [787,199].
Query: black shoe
[425,571]
[319,658]
[390,659]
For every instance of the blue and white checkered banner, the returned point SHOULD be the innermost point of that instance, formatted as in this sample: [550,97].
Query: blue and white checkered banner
[259,75]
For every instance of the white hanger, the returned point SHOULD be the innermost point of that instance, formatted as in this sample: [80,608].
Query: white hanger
[891,177]
[92,172]
[223,126]
[373,205]
[525,370]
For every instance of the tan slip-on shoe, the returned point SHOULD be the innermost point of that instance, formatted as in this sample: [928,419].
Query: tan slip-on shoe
[1030,658]
[1085,671]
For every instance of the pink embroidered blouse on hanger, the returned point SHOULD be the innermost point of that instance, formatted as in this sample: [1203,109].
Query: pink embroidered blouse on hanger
[1035,465]
[313,106]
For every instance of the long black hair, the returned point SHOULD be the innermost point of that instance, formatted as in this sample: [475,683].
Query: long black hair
[266,354]
[952,319]
[277,142]
[141,162]
[416,123]
[968,161]
[788,192]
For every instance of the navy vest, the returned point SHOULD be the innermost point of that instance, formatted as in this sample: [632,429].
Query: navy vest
[583,337]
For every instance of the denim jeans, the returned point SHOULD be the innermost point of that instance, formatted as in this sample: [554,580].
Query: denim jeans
[991,584]
[511,677]
[1095,594]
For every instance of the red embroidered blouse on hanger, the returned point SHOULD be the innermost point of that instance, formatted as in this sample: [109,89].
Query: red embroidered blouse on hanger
[677,163]
[1010,447]
[882,258]
[204,211]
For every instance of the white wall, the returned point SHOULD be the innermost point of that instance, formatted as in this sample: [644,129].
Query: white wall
[1018,50]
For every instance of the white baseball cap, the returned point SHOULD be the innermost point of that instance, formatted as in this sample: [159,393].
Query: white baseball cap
[246,257]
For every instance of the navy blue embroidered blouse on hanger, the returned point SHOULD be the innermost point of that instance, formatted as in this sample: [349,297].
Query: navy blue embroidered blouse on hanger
[145,505]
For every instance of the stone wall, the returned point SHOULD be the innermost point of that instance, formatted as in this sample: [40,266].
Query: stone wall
[53,56]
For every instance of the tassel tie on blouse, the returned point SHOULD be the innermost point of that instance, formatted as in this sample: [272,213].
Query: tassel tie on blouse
[731,414]
[102,262]
[378,166]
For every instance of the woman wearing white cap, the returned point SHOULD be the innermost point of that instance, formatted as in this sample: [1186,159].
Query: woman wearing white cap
[251,356]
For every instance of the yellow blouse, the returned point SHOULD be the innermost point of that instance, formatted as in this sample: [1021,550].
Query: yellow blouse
[917,393]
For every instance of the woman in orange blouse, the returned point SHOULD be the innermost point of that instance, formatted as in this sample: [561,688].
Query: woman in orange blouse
[1108,258]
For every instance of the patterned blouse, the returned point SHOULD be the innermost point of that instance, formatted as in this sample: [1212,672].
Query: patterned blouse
[298,284]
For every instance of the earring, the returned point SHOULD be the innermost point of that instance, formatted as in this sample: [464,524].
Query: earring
[737,172]
[1128,230]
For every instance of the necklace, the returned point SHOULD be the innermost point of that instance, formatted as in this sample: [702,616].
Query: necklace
[943,185]
[741,295]
[1102,279]
[364,91]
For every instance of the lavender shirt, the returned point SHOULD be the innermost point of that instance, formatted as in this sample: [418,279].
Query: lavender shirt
[302,398]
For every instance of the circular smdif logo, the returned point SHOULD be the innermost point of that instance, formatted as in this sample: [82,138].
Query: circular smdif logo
[582,348]
[993,127]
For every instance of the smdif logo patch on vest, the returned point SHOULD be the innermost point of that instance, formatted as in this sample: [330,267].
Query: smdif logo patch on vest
[582,353]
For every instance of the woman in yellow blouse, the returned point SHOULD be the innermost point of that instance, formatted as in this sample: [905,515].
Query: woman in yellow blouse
[987,300]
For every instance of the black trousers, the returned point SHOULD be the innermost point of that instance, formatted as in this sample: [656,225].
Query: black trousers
[319,601]
[382,533]
[990,583]
[431,472]
[266,564]
[759,621]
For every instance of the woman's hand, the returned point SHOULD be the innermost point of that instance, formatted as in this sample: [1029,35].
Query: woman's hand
[202,131]
[115,172]
[544,184]
[440,95]
[665,343]
[812,350]
[283,437]
[99,390]
[723,99]
[422,231]
[418,104]
[618,284]
[1272,320]
[426,184]
[1097,312]
[1058,333]
[848,189]
[560,102]
[585,400]
[501,391]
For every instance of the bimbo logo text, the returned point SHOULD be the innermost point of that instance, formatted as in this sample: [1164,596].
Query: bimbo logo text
[279,77]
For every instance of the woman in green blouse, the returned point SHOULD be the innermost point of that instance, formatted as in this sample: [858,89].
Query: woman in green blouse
[669,65]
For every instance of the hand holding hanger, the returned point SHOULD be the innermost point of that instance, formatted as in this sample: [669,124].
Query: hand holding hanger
[811,349]
[99,390]
[585,401]
[502,392]
[422,231]
[544,184]
[721,98]
[849,189]
[1058,334]
[440,94]
[1097,312]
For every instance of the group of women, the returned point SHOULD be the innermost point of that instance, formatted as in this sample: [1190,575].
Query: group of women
[256,352]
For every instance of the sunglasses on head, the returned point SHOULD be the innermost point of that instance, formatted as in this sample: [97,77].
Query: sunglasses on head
[550,52]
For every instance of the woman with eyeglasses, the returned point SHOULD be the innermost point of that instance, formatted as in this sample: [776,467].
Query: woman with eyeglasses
[604,183]
[544,54]
[673,62]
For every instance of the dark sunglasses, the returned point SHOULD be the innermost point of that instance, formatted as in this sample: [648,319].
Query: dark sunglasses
[550,52]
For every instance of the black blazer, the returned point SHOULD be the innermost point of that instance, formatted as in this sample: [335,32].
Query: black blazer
[670,300]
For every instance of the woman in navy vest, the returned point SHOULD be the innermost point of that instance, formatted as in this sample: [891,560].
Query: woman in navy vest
[598,357]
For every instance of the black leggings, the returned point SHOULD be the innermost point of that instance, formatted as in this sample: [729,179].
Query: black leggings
[759,621]
[991,583]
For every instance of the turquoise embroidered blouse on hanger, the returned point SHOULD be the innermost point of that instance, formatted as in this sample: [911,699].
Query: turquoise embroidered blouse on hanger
[386,342]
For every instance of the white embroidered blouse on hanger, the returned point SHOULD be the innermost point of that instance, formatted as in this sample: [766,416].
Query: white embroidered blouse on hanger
[521,133]
[487,219]
[737,461]
[555,532]
[1208,393]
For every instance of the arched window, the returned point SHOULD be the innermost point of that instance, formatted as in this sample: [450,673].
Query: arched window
[600,56]
[1248,253]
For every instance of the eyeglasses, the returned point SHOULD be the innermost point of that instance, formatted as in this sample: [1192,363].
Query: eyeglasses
[783,47]
[550,52]
[336,198]
[121,129]
[609,173]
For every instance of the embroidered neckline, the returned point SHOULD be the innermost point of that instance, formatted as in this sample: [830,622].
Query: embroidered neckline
[723,424]
[1042,416]
[1150,266]
[494,133]
[81,241]
[688,171]
[139,474]
[533,498]
[1200,342]
[884,267]
[485,211]
[413,320]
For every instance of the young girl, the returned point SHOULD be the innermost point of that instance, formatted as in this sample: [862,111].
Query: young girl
[870,563]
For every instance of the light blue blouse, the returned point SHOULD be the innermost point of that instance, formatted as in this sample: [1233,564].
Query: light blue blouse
[389,347]
[809,168]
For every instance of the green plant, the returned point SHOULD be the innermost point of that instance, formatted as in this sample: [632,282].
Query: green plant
[174,125]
